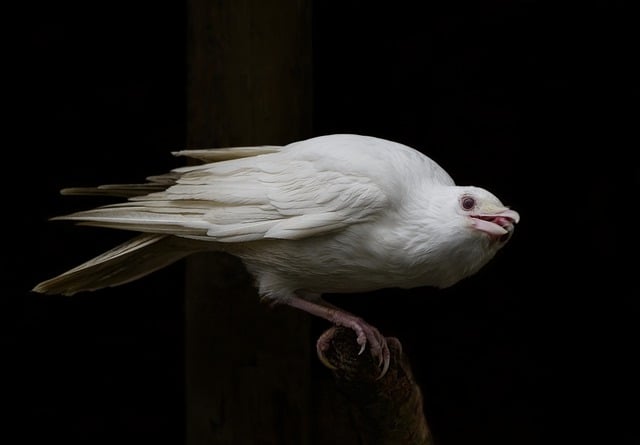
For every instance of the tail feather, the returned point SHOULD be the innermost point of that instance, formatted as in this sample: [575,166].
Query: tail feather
[127,262]
[154,184]
[171,228]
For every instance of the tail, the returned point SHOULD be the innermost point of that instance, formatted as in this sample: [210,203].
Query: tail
[146,210]
[127,262]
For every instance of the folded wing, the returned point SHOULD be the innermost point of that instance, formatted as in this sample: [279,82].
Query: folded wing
[239,195]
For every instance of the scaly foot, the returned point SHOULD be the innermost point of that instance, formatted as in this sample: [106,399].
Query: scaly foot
[365,333]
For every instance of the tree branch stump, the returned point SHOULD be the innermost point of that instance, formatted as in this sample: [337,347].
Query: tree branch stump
[387,410]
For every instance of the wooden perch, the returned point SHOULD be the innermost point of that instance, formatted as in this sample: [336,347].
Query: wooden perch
[387,411]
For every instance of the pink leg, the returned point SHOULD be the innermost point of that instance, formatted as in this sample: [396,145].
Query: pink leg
[365,332]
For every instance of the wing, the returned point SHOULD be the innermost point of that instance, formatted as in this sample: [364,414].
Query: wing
[271,194]
[161,182]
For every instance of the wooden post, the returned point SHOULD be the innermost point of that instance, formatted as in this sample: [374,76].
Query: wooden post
[384,411]
[247,365]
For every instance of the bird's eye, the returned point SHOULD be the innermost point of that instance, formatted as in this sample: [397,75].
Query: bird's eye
[467,202]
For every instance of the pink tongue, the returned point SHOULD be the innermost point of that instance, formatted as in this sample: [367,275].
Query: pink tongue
[502,221]
[489,227]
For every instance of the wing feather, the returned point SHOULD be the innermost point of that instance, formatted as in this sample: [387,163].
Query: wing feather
[272,194]
[224,154]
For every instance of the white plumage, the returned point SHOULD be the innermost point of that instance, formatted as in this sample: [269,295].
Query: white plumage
[338,213]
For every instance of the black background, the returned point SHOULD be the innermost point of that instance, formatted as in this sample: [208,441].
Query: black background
[535,101]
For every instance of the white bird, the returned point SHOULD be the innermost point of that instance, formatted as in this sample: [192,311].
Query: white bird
[332,214]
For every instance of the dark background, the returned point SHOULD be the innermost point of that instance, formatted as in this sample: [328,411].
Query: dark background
[535,101]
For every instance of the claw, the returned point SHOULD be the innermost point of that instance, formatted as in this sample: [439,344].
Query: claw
[322,345]
[361,337]
[378,346]
[371,336]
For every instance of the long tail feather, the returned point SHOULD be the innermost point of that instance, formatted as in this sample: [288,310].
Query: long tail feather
[156,183]
[127,262]
[172,228]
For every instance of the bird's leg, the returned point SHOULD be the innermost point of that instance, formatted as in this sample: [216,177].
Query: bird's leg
[365,333]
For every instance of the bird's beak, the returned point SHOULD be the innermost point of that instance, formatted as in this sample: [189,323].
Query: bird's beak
[498,223]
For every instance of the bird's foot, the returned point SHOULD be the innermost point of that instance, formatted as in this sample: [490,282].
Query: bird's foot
[365,334]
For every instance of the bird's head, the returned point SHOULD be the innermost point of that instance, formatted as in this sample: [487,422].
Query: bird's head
[484,214]
[464,227]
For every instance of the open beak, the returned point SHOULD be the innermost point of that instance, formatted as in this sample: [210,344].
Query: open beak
[499,224]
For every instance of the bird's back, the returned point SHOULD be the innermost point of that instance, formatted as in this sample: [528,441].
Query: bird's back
[370,156]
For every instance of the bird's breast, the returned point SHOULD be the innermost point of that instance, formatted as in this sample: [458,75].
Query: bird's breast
[361,260]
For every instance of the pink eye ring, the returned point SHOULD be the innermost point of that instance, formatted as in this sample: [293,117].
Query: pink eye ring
[467,202]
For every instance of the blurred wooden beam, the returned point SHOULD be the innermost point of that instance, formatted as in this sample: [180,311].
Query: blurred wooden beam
[247,366]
